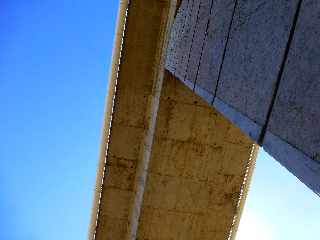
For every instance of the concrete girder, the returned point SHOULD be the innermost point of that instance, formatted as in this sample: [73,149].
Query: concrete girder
[198,166]
[169,163]
[256,62]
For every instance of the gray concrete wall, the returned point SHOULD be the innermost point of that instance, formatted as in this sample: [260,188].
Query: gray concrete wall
[296,112]
[257,62]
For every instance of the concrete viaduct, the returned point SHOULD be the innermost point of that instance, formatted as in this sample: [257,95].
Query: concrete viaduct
[195,87]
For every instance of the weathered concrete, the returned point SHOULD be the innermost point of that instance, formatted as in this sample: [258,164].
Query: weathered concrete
[248,126]
[257,65]
[176,34]
[299,164]
[298,98]
[296,112]
[197,168]
[256,48]
[187,43]
[195,55]
[132,118]
[198,41]
[216,157]
[113,73]
[214,47]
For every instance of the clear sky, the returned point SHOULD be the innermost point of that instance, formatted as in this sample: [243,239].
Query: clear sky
[54,59]
[278,206]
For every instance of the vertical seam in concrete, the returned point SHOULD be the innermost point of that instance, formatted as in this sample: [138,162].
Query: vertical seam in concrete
[190,24]
[194,30]
[224,51]
[178,2]
[244,191]
[203,43]
[151,116]
[280,73]
[109,109]
[182,30]
[185,18]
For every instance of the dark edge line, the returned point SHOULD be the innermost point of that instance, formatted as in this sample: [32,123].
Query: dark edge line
[283,143]
[173,49]
[178,7]
[180,34]
[191,47]
[188,19]
[224,51]
[174,45]
[280,73]
[203,44]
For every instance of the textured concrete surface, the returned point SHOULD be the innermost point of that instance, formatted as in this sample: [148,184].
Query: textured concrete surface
[134,89]
[198,41]
[176,34]
[180,27]
[212,55]
[186,44]
[296,112]
[187,177]
[258,38]
[195,55]
[197,168]
[257,64]
[299,164]
[195,152]
[249,127]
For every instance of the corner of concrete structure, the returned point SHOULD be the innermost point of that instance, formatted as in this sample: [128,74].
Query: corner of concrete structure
[249,127]
[304,168]
[207,96]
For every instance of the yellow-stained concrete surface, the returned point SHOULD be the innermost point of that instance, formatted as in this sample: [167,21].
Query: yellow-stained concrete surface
[113,73]
[137,85]
[197,168]
[172,173]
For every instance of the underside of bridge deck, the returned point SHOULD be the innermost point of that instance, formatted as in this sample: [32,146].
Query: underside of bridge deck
[257,62]
[171,167]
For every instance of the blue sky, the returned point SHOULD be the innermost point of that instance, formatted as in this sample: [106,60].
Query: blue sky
[278,206]
[53,76]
